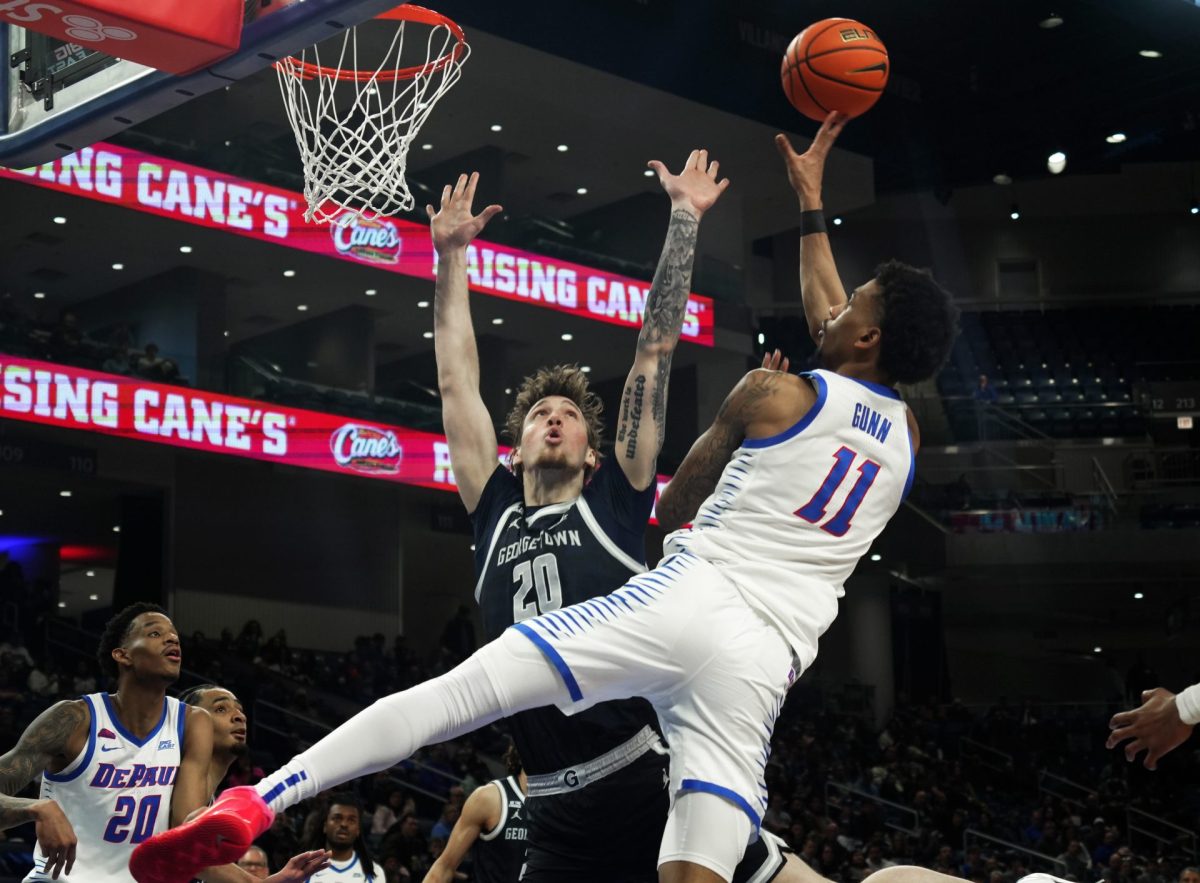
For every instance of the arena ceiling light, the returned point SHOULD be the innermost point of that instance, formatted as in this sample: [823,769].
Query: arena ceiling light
[1015,212]
[649,173]
[876,557]
[427,146]
[837,222]
[582,191]
[1097,649]
[118,266]
[93,597]
[59,219]
[497,321]
[1194,208]
[289,273]
[1056,162]
[370,292]
[302,307]
[568,336]
[1150,53]
[1051,21]
[562,148]
[185,249]
[422,304]
[64,493]
[1002,179]
[1115,138]
[1137,596]
[428,335]
[116,528]
[496,127]
[39,295]
[586,369]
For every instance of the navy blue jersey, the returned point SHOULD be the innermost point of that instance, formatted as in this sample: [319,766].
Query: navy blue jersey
[500,852]
[530,560]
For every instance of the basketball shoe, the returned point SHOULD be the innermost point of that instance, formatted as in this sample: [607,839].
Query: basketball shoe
[218,836]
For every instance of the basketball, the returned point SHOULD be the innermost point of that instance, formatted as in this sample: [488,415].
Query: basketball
[836,64]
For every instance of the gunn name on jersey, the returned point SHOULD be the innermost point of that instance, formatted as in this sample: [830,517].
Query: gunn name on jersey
[545,539]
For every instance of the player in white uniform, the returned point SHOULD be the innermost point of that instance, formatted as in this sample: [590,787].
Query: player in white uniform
[350,857]
[116,767]
[788,487]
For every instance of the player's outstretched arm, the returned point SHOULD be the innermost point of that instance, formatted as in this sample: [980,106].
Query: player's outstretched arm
[469,430]
[480,813]
[50,742]
[192,789]
[764,402]
[820,286]
[298,869]
[1158,726]
[642,423]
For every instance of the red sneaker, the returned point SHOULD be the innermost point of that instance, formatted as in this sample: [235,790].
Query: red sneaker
[218,836]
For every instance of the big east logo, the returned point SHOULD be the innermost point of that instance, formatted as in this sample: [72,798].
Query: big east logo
[368,239]
[366,449]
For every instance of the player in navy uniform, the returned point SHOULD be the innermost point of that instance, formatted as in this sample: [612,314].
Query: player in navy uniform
[494,823]
[786,491]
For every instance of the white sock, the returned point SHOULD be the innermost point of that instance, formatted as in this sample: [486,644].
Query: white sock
[504,677]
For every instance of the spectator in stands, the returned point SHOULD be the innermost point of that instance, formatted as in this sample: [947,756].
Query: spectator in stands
[1189,875]
[149,364]
[984,391]
[1106,848]
[445,823]
[1077,862]
[66,339]
[280,841]
[249,640]
[43,681]
[255,863]
[85,679]
[404,841]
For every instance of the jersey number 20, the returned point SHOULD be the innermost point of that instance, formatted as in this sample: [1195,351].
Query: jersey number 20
[138,813]
[814,510]
[540,574]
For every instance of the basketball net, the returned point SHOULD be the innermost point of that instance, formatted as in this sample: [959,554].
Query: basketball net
[354,126]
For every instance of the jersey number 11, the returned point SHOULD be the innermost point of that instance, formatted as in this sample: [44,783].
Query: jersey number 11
[814,510]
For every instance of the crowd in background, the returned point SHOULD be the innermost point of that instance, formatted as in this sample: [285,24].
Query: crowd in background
[942,786]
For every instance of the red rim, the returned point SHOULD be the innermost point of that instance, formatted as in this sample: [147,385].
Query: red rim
[307,71]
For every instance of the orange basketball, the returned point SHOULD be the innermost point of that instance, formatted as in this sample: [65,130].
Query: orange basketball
[835,64]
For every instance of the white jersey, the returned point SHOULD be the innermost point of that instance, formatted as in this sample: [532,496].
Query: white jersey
[116,793]
[793,514]
[351,870]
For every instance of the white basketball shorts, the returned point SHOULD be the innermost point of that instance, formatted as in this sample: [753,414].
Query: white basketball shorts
[681,636]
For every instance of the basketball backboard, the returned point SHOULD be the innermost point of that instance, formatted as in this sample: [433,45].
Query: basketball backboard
[57,97]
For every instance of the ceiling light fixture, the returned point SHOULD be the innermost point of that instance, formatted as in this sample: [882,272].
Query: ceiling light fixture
[1115,138]
[568,336]
[876,557]
[93,597]
[649,173]
[289,273]
[185,249]
[562,148]
[427,146]
[582,191]
[496,127]
[1053,20]
[62,603]
[370,292]
[762,338]
[1097,649]
[586,369]
[59,219]
[1149,53]
[422,304]
[91,573]
[116,528]
[1194,208]
[64,493]
[39,295]
[497,321]
[428,335]
[837,222]
[1056,162]
[1137,596]
[118,266]
[1002,179]
[1015,213]
[302,307]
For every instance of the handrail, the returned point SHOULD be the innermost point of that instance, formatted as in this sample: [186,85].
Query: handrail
[258,725]
[1006,760]
[1106,486]
[1182,834]
[324,727]
[899,808]
[1037,857]
[1048,782]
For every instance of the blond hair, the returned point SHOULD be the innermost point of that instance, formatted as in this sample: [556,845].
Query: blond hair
[559,380]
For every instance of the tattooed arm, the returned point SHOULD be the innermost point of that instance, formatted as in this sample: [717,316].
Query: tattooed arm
[764,403]
[642,423]
[51,742]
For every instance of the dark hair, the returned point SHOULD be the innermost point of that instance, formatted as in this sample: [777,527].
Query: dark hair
[567,381]
[348,798]
[512,760]
[917,325]
[192,695]
[116,631]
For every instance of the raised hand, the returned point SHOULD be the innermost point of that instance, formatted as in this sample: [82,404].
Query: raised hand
[775,361]
[806,170]
[300,867]
[694,189]
[1154,727]
[452,225]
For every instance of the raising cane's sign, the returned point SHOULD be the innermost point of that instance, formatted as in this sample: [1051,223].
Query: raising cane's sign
[128,407]
[147,183]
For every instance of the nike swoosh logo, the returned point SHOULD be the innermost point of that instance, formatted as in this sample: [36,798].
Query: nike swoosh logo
[108,748]
[882,66]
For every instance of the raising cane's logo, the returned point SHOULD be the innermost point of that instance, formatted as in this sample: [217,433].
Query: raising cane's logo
[366,449]
[368,239]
